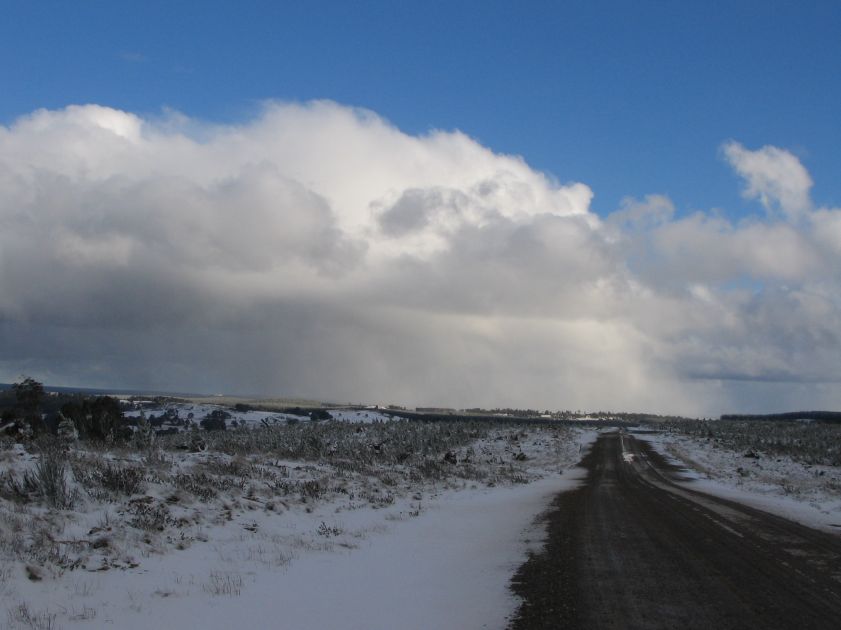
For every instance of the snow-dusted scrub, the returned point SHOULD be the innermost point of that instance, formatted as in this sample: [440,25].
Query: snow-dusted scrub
[20,616]
[790,468]
[252,497]
[813,443]
[384,442]
[46,481]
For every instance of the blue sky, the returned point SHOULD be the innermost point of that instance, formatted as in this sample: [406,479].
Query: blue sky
[319,199]
[629,97]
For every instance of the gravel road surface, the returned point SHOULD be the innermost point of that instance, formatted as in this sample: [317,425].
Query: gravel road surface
[632,549]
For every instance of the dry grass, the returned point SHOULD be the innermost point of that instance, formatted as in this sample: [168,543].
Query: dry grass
[223,583]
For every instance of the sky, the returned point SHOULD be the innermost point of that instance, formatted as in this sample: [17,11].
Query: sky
[586,205]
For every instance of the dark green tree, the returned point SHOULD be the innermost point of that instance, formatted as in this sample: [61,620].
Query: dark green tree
[97,419]
[215,420]
[29,395]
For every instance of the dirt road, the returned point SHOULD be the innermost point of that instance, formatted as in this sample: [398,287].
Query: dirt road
[630,549]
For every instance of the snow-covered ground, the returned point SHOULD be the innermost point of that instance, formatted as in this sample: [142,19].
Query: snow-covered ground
[292,544]
[359,415]
[808,494]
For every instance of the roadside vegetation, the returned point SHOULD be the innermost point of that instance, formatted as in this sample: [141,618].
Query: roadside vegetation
[85,489]
[797,460]
[808,442]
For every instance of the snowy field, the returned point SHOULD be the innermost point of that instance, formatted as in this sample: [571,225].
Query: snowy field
[177,414]
[345,524]
[804,492]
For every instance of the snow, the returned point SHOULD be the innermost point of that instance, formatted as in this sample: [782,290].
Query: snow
[356,415]
[372,549]
[810,495]
[251,418]
[447,568]
[439,556]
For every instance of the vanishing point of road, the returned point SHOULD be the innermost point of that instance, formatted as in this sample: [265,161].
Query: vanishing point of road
[632,549]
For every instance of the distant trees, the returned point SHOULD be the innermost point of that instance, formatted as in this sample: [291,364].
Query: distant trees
[68,415]
[98,419]
[215,420]
[820,416]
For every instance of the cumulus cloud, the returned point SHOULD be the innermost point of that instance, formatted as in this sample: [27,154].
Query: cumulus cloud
[773,176]
[318,250]
[642,214]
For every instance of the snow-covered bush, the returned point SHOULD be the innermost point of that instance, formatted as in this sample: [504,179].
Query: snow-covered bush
[47,482]
[97,473]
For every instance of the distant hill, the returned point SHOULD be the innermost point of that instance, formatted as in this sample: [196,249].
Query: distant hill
[7,397]
[98,391]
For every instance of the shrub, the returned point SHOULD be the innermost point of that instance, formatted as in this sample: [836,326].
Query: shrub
[94,474]
[47,482]
[18,489]
[215,420]
[148,516]
[52,483]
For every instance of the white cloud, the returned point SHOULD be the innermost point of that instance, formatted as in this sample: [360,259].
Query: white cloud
[773,176]
[317,250]
[652,211]
[711,249]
